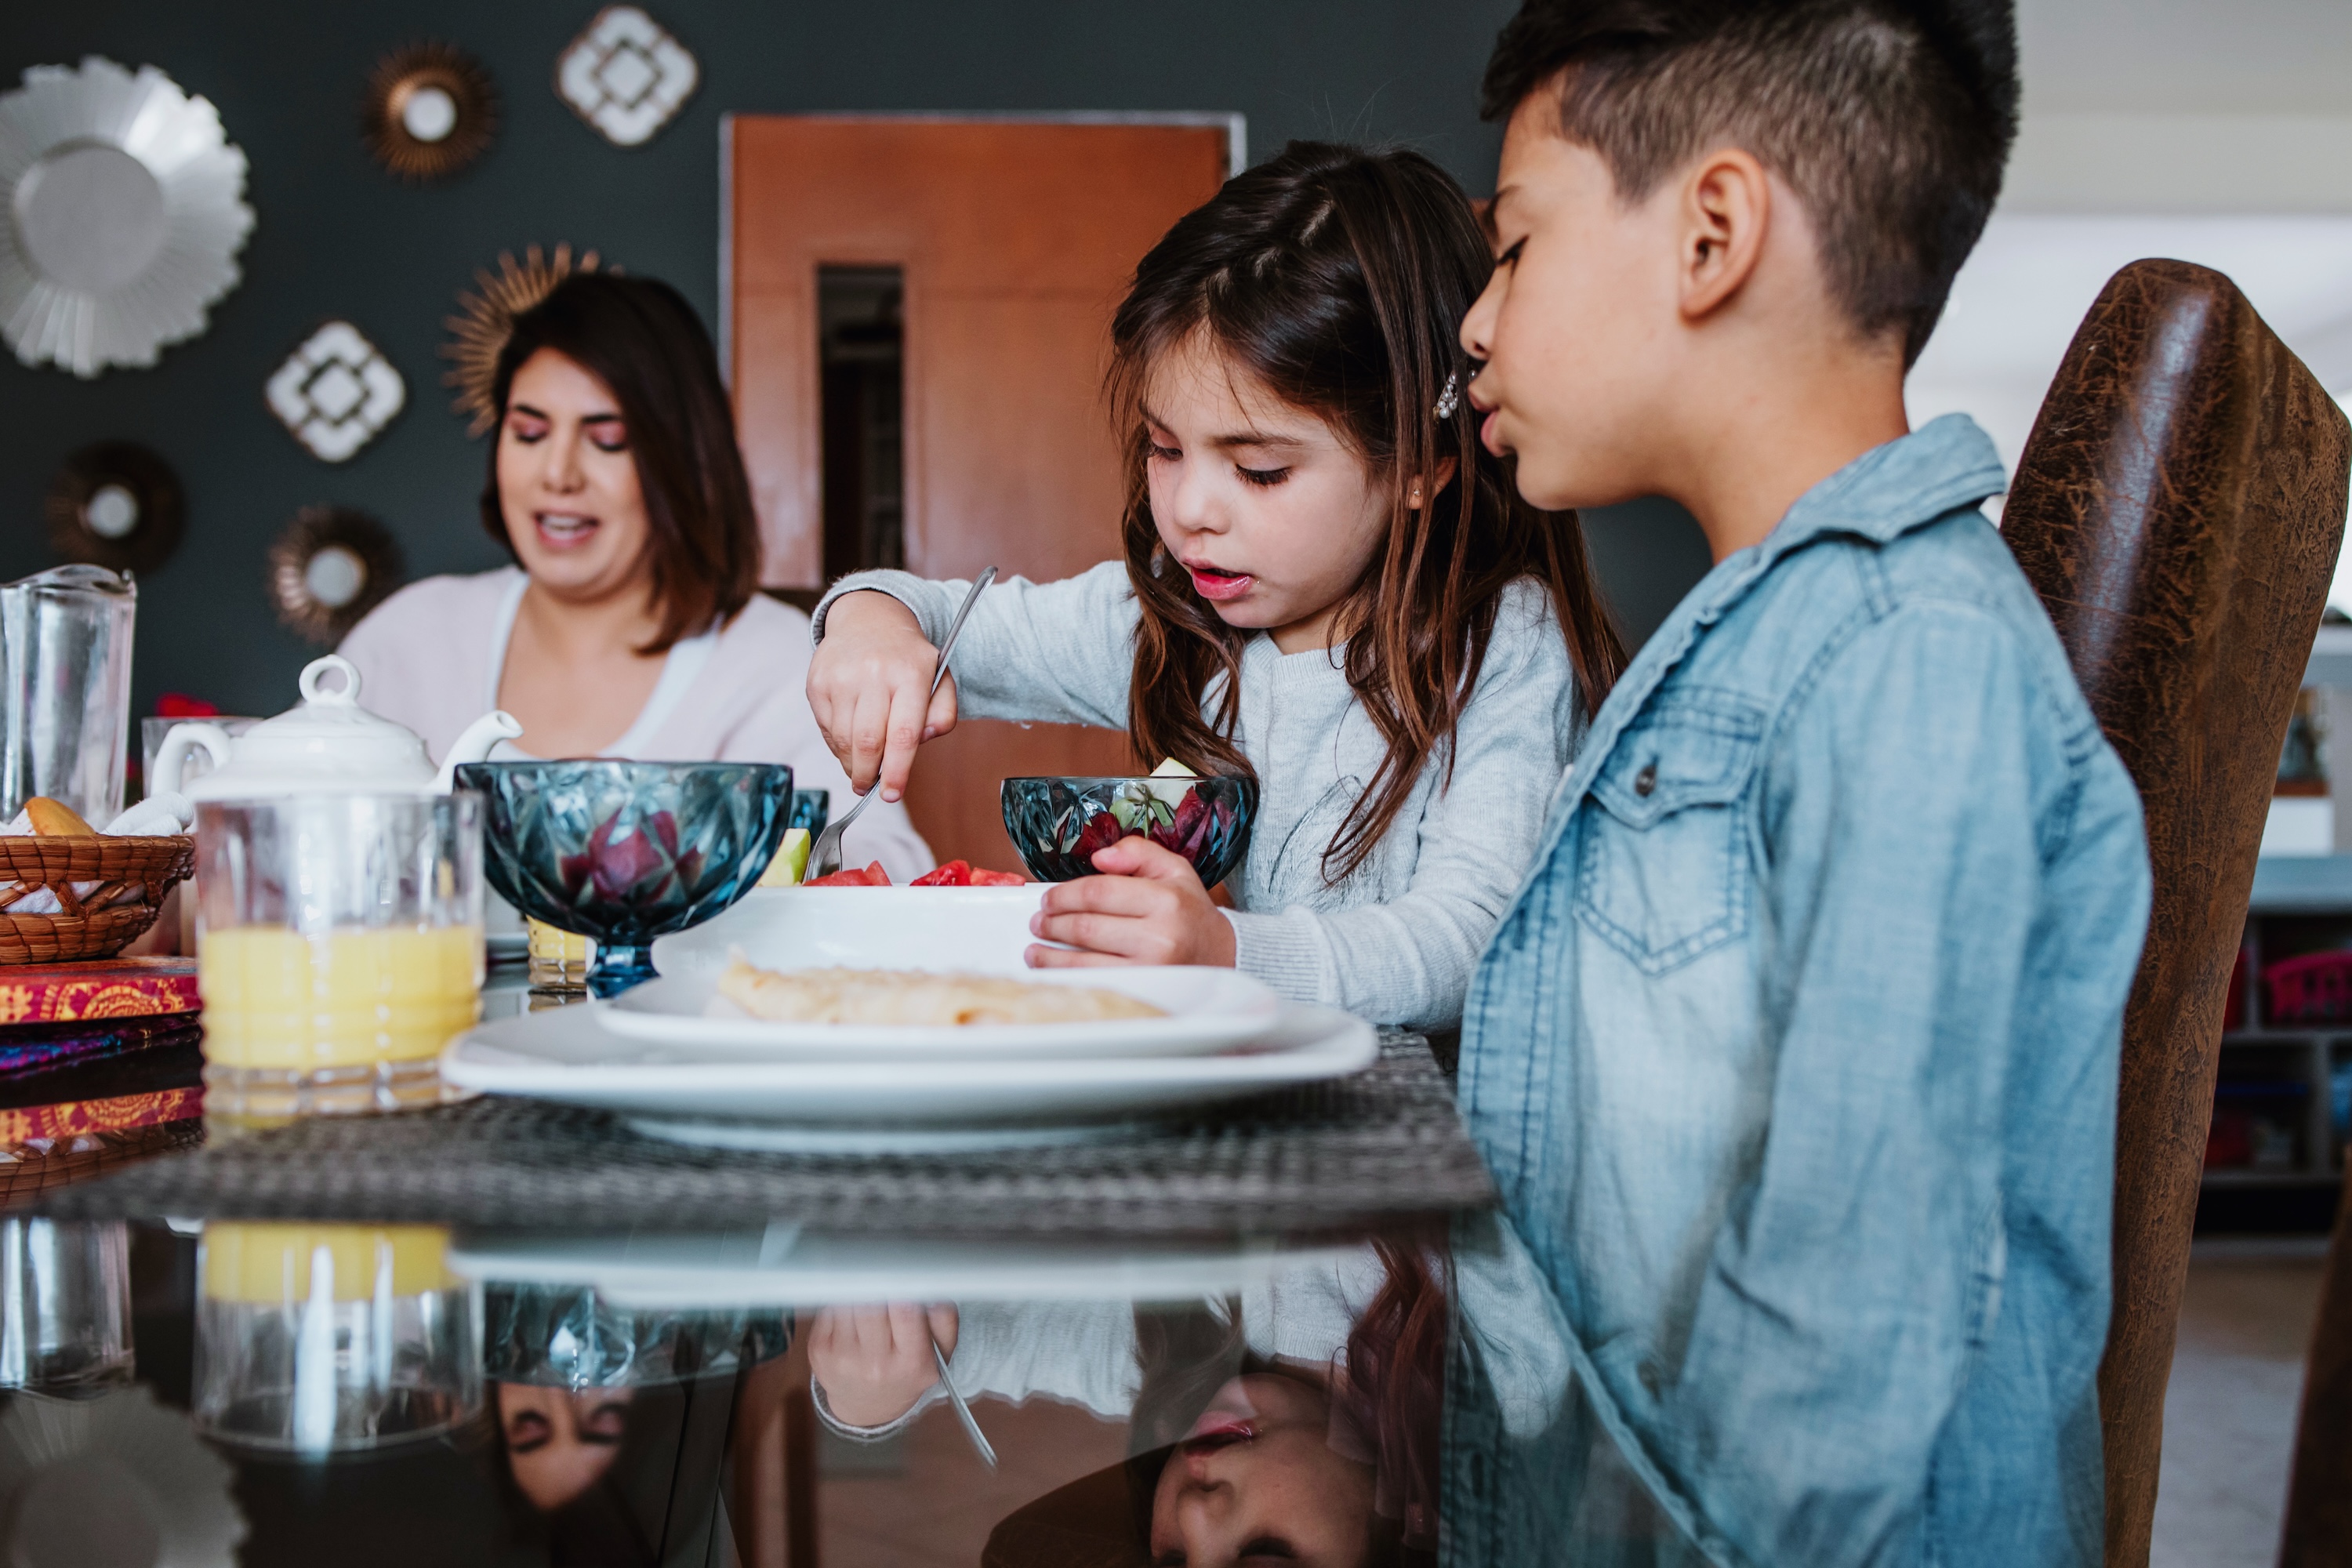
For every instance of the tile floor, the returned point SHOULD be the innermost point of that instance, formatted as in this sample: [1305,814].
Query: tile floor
[2229,1414]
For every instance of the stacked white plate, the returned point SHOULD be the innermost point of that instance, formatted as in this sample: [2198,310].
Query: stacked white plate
[677,1067]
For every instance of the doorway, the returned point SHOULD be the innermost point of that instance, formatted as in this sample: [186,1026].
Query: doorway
[1006,244]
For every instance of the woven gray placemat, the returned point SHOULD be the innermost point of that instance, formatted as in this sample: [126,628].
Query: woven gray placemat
[1381,1146]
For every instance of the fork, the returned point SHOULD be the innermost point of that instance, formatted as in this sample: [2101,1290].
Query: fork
[824,855]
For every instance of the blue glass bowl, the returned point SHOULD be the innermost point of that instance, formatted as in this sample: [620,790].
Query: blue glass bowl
[624,852]
[1057,824]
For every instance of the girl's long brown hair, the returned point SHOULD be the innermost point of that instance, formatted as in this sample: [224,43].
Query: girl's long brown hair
[1338,278]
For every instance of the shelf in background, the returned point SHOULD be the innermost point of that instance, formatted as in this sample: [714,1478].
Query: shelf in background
[2234,1176]
[2302,884]
[2331,658]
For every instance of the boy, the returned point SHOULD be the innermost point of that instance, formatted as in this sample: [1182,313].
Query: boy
[1795,1058]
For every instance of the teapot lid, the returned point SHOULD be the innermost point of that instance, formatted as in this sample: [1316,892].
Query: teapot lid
[329,742]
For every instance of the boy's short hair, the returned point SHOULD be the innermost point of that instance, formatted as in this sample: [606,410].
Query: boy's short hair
[1891,121]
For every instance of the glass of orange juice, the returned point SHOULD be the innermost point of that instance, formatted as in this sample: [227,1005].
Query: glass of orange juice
[339,949]
[314,1340]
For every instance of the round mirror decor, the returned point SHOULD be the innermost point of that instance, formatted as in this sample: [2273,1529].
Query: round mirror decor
[429,110]
[117,505]
[329,568]
[125,213]
[478,333]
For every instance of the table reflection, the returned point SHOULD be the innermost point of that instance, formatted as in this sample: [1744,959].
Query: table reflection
[769,1396]
[1239,1376]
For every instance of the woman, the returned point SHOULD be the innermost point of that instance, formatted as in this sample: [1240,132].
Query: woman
[631,624]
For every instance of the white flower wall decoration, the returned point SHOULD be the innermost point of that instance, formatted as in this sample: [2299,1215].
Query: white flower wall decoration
[627,75]
[127,210]
[336,391]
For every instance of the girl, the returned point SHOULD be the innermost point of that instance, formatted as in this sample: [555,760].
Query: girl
[1329,583]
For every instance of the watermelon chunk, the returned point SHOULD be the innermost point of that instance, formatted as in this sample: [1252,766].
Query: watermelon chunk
[871,876]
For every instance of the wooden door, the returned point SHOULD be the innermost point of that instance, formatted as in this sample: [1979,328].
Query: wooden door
[1016,240]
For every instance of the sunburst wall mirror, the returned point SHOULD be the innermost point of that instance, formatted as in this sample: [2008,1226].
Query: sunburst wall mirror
[478,332]
[430,109]
[329,569]
[128,208]
[115,505]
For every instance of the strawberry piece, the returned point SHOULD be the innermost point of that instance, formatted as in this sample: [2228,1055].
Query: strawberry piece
[1102,830]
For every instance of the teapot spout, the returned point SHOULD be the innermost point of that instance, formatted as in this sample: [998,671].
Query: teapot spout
[475,744]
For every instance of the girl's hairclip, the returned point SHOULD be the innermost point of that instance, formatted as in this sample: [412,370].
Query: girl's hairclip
[1450,400]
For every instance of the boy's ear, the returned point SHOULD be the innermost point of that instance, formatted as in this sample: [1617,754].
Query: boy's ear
[1727,208]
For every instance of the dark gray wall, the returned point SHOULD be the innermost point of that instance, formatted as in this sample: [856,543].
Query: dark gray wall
[336,237]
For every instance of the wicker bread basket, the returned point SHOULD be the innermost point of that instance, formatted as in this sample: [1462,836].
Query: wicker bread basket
[30,862]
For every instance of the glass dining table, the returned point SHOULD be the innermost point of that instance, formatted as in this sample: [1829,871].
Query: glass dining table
[502,1332]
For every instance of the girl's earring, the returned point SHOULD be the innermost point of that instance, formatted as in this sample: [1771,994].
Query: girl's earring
[1449,399]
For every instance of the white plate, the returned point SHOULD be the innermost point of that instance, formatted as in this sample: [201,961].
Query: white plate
[781,1265]
[566,1055]
[1208,1010]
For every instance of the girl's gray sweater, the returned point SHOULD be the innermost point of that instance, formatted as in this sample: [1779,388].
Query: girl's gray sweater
[1396,940]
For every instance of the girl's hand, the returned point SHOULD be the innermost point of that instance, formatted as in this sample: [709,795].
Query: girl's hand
[874,1362]
[869,686]
[1149,908]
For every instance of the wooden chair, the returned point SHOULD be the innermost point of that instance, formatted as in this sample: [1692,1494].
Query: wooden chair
[2319,1496]
[2179,509]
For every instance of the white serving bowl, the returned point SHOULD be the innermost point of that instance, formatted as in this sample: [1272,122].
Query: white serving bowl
[980,930]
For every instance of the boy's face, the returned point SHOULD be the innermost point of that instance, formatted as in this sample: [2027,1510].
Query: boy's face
[1577,327]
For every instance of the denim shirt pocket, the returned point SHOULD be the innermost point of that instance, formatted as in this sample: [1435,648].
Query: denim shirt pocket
[1662,876]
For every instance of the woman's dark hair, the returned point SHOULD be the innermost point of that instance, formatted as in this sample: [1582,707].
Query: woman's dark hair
[640,338]
[1338,278]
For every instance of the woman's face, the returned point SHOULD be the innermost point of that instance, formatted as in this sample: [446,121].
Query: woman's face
[1257,1483]
[568,482]
[559,1443]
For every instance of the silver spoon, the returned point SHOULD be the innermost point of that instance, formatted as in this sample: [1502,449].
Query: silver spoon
[824,855]
[963,1412]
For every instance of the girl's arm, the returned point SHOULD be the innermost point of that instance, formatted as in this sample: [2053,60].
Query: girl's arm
[1080,1353]
[1409,961]
[1039,652]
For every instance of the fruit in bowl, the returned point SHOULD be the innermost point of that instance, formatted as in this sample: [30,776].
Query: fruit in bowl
[624,852]
[1057,824]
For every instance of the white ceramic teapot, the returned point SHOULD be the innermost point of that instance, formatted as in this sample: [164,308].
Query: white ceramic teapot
[329,745]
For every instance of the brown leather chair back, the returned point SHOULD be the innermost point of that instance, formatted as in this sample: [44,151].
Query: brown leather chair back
[2179,509]
[2319,1496]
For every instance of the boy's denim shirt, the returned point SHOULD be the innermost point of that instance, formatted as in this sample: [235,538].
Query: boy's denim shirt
[1795,1058]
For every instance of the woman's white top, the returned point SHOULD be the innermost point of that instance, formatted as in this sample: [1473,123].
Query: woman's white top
[431,656]
[1397,939]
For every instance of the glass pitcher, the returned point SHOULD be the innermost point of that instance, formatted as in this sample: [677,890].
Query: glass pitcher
[65,679]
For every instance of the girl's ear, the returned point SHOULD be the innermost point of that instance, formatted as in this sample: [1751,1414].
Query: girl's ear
[1417,495]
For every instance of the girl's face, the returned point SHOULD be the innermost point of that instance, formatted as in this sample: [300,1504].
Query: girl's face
[558,1443]
[1257,1483]
[1273,514]
[567,481]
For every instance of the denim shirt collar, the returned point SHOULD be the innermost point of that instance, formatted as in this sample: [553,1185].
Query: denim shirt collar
[1886,493]
[1947,464]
